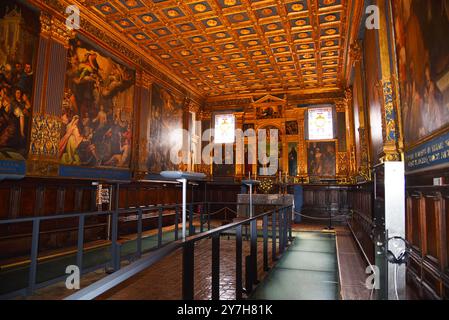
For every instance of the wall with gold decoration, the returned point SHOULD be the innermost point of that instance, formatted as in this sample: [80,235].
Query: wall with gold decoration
[81,103]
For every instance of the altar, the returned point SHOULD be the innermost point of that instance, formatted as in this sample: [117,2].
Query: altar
[262,203]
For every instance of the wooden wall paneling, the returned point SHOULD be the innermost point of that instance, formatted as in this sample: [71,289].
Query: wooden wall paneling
[50,195]
[70,199]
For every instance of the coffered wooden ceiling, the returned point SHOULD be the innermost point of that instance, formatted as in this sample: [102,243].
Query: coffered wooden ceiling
[234,47]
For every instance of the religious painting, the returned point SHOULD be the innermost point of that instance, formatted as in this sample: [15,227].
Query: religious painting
[97,109]
[422,46]
[321,158]
[166,118]
[293,158]
[291,127]
[19,30]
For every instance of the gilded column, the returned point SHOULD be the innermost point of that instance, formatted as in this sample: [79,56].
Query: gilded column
[302,147]
[392,139]
[350,138]
[362,149]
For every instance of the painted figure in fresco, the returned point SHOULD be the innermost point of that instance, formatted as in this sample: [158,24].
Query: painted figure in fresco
[317,161]
[10,122]
[98,96]
[292,161]
[329,161]
[69,143]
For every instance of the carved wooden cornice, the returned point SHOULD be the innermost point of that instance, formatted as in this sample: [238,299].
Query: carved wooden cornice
[52,27]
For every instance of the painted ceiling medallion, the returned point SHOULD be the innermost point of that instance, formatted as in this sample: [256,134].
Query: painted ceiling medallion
[253,42]
[329,2]
[106,8]
[303,35]
[200,7]
[239,17]
[147,18]
[245,31]
[330,18]
[221,35]
[330,31]
[139,36]
[297,7]
[131,3]
[165,56]
[186,27]
[300,22]
[272,26]
[230,2]
[229,46]
[172,13]
[211,23]
[267,11]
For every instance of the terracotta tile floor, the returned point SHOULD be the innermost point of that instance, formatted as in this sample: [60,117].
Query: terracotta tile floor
[163,281]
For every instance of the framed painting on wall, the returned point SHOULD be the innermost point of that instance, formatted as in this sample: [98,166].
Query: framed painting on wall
[291,127]
[321,158]
[166,118]
[97,108]
[422,46]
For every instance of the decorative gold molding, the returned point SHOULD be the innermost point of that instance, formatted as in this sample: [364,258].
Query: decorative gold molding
[55,29]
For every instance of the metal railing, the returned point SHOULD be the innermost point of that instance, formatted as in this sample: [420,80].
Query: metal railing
[203,212]
[281,233]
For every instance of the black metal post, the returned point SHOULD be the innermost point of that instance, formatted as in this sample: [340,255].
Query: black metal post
[139,233]
[188,270]
[238,262]
[216,267]
[253,249]
[273,236]
[79,252]
[265,243]
[159,228]
[114,237]
[176,222]
[33,256]
[281,238]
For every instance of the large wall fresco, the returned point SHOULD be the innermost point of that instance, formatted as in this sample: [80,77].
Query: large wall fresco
[97,109]
[19,29]
[422,46]
[166,118]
